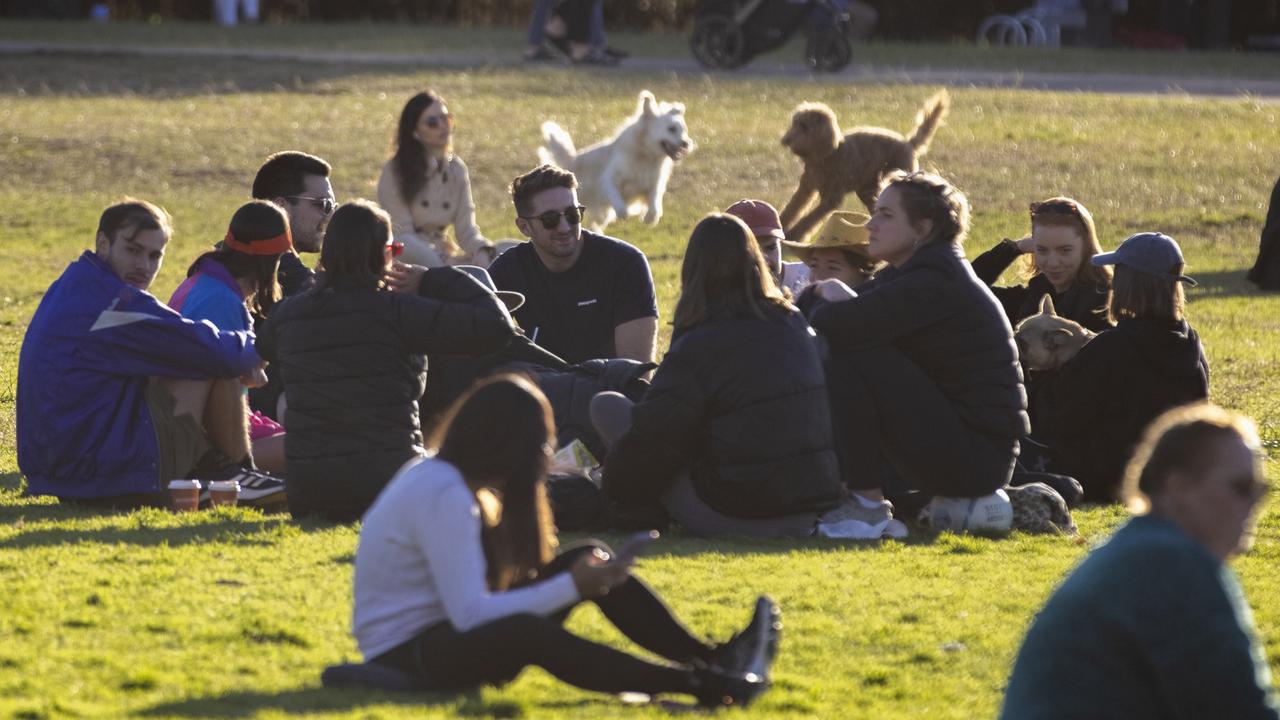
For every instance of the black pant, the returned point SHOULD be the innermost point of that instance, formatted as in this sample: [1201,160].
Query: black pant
[890,417]
[444,659]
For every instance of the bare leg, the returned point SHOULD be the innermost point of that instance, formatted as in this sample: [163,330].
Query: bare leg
[268,454]
[226,419]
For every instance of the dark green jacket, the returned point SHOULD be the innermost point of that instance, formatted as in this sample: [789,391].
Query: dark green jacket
[1149,626]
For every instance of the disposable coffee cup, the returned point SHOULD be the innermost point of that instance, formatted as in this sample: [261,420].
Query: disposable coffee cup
[224,492]
[184,495]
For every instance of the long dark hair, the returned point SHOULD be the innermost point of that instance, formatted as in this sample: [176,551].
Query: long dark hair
[253,222]
[409,157]
[499,435]
[724,275]
[353,256]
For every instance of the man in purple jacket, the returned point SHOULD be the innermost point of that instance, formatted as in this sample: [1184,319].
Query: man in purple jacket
[118,394]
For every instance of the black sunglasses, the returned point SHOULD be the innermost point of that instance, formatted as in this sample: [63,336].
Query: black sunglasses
[551,218]
[434,121]
[328,205]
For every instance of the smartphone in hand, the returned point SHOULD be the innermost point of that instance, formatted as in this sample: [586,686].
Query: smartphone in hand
[636,544]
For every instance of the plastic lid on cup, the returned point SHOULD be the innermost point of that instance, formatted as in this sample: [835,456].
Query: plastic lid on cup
[184,484]
[224,486]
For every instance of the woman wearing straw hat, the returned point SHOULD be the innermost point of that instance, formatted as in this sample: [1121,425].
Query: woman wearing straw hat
[839,250]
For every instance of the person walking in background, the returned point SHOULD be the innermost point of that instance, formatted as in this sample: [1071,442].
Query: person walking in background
[1153,624]
[426,189]
[224,11]
[575,28]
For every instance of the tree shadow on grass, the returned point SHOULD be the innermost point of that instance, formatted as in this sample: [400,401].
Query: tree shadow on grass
[1223,284]
[145,528]
[310,700]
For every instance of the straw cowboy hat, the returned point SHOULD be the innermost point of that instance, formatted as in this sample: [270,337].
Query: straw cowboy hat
[844,230]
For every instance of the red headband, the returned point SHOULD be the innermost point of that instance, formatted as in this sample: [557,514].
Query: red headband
[270,246]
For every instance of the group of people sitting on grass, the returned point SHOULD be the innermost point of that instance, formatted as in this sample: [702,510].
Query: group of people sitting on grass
[818,398]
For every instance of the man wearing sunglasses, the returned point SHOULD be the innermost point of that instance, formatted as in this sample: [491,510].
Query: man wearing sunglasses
[586,295]
[299,184]
[1153,624]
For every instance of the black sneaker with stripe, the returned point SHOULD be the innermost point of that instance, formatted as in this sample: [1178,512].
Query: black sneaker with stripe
[257,489]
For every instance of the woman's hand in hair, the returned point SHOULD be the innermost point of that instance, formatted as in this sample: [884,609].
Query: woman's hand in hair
[1026,245]
[403,277]
[595,573]
[833,290]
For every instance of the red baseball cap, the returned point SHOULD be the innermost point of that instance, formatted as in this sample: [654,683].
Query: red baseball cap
[760,216]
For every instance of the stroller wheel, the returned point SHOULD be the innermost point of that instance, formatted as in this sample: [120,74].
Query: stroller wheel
[828,50]
[717,42]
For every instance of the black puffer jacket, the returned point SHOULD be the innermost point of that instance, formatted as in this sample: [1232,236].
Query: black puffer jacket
[1085,304]
[941,316]
[1092,411]
[742,404]
[353,363]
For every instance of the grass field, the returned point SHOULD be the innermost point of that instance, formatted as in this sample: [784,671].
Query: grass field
[231,614]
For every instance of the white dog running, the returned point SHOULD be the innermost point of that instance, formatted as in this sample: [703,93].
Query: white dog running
[627,174]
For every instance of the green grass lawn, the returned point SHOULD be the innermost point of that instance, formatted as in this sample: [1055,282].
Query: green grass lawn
[230,614]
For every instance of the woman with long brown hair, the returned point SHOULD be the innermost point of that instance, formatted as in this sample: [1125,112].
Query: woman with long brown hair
[426,189]
[457,584]
[733,436]
[351,351]
[1062,242]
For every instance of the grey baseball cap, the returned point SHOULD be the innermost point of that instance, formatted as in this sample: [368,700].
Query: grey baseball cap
[1152,253]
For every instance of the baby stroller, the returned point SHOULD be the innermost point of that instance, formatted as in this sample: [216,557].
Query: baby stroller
[727,34]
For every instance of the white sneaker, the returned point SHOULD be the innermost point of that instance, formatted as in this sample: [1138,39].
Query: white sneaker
[990,513]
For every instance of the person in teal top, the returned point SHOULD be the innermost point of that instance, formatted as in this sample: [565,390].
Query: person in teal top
[1153,624]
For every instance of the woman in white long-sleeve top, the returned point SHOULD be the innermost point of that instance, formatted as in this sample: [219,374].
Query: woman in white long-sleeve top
[455,588]
[426,189]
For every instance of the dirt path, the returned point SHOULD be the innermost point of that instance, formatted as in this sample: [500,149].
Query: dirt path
[1127,84]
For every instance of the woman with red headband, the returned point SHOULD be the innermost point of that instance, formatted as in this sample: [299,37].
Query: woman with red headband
[234,283]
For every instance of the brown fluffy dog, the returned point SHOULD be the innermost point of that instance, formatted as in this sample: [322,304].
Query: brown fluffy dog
[1047,341]
[857,163]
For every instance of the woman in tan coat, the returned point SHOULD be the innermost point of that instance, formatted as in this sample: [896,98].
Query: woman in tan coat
[425,188]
